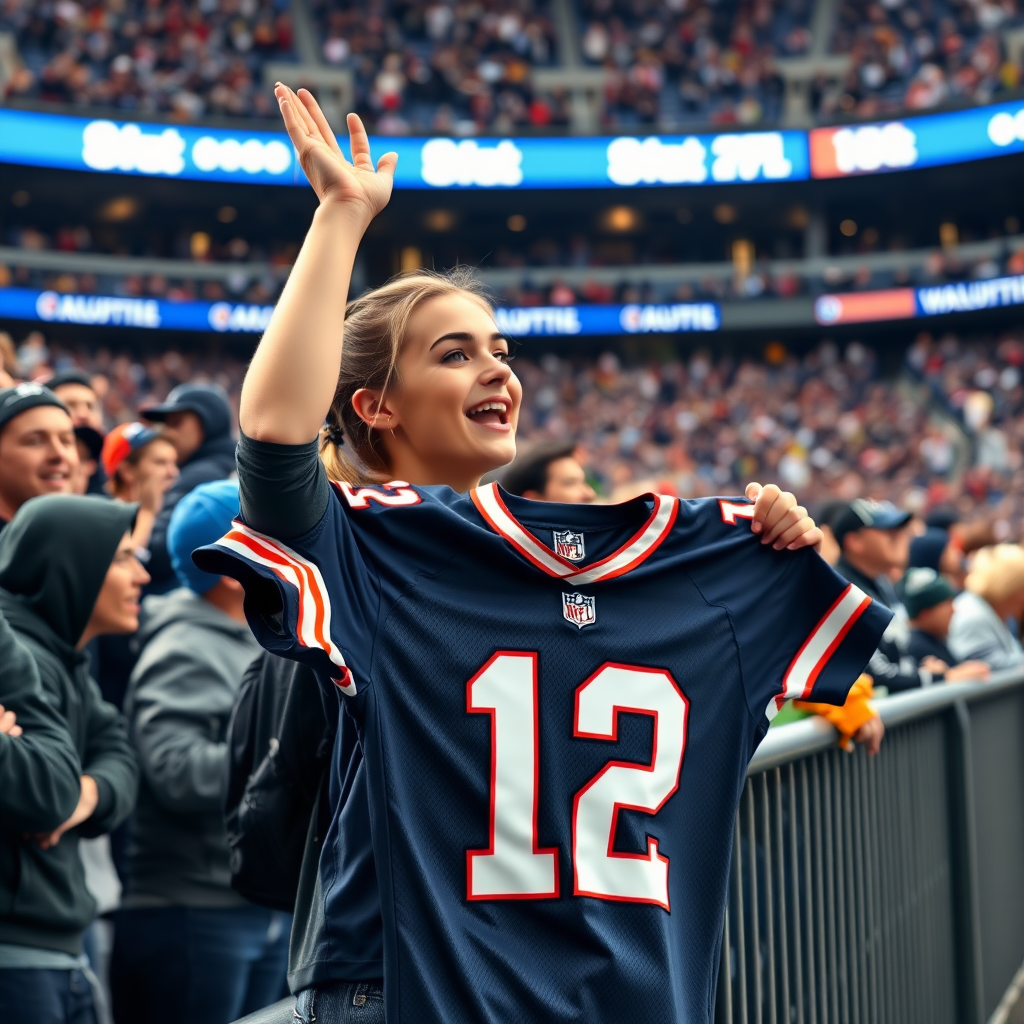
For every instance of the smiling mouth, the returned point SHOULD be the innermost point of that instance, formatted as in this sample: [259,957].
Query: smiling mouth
[489,414]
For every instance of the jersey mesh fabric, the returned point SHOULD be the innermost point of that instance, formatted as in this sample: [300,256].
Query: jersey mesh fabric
[422,594]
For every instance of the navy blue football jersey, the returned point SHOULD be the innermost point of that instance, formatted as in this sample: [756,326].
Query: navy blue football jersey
[557,705]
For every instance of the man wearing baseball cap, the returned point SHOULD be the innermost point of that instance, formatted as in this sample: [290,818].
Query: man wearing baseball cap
[197,420]
[875,543]
[928,598]
[38,452]
[75,388]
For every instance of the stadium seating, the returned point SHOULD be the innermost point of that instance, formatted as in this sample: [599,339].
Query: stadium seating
[914,56]
[187,59]
[417,67]
[676,64]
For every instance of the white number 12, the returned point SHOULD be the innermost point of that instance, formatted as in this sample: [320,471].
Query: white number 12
[514,866]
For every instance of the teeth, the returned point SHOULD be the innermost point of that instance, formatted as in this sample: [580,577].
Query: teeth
[487,407]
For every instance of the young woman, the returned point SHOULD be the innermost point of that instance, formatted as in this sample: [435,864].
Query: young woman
[141,465]
[422,391]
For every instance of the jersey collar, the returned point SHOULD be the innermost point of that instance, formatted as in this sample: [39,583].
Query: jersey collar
[640,546]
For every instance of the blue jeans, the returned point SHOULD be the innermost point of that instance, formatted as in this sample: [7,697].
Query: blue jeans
[45,997]
[342,1002]
[184,965]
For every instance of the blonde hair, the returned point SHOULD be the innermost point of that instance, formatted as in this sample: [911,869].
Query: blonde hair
[997,572]
[375,327]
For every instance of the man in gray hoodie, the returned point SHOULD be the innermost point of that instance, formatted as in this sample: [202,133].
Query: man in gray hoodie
[187,946]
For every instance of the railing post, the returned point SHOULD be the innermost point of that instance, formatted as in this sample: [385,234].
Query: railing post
[964,849]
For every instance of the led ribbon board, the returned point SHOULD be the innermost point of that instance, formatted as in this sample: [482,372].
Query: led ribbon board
[909,303]
[235,318]
[196,153]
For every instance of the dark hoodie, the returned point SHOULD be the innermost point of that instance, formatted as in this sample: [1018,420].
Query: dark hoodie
[213,460]
[54,556]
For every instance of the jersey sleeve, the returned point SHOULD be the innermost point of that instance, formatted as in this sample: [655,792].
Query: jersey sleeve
[802,631]
[314,598]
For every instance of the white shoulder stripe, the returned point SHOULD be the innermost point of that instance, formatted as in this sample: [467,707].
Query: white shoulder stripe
[313,629]
[812,657]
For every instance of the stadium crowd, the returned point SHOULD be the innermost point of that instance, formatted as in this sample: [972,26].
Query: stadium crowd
[116,782]
[454,68]
[906,56]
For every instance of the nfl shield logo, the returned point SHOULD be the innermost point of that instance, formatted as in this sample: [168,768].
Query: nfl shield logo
[569,545]
[579,610]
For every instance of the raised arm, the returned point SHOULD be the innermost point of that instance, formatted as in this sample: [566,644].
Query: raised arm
[291,381]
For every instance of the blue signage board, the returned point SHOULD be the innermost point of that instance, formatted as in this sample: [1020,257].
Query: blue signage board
[215,154]
[234,318]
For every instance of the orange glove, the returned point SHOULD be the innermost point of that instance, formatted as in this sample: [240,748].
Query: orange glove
[850,716]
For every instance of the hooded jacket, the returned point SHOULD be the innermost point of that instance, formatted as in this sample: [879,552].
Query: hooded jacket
[178,705]
[213,460]
[54,557]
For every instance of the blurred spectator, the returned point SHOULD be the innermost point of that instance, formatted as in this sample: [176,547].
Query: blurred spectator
[38,453]
[75,389]
[875,542]
[994,597]
[187,947]
[549,471]
[141,465]
[68,573]
[197,420]
[89,478]
[938,550]
[928,599]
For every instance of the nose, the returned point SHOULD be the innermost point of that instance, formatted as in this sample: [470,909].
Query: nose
[495,372]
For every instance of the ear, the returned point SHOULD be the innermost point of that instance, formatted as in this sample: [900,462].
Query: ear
[230,583]
[374,410]
[533,495]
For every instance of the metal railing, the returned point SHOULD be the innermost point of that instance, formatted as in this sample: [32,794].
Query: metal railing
[885,890]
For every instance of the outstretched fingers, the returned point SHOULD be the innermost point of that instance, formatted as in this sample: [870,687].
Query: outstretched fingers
[387,164]
[312,109]
[359,143]
[293,123]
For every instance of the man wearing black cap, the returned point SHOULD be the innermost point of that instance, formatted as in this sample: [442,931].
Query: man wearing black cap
[75,389]
[875,542]
[197,421]
[928,598]
[38,453]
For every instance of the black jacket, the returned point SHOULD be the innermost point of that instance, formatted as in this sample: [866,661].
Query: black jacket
[922,644]
[892,665]
[54,556]
[214,460]
[39,770]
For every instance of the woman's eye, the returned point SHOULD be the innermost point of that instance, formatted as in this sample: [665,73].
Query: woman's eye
[505,357]
[455,356]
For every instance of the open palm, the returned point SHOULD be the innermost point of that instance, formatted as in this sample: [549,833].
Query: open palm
[333,177]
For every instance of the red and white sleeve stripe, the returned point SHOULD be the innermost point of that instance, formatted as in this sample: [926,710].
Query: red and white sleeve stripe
[816,650]
[313,628]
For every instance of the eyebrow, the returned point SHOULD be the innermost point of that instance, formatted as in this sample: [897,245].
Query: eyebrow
[464,336]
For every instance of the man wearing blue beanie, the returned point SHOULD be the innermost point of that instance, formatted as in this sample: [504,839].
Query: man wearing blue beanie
[187,946]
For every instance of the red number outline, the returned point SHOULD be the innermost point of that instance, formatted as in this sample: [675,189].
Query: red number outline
[617,709]
[537,849]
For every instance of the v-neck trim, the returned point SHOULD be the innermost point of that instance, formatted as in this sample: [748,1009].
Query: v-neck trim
[637,549]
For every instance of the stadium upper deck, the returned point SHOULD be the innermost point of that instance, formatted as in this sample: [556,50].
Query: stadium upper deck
[514,66]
